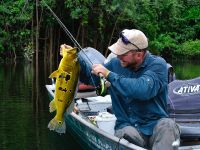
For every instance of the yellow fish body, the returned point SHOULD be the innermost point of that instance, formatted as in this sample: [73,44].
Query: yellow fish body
[66,82]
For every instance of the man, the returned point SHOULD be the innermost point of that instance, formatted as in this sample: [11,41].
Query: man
[138,89]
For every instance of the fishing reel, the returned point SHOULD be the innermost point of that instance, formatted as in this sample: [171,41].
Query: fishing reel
[101,89]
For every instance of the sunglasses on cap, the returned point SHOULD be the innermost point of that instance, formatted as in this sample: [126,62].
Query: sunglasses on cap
[126,41]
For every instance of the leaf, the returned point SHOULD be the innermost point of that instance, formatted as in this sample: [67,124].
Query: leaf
[3,9]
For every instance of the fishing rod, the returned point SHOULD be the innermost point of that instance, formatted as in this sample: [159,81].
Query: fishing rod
[103,82]
[63,26]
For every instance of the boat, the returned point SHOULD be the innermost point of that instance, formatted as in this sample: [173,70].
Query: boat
[95,133]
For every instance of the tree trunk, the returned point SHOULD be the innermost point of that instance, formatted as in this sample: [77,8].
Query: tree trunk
[51,59]
[36,55]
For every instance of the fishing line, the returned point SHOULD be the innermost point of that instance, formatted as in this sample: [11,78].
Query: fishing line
[67,31]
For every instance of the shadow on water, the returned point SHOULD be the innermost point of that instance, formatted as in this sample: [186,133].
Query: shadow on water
[24,111]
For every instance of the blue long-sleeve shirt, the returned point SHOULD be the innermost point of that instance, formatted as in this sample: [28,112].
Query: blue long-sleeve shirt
[139,98]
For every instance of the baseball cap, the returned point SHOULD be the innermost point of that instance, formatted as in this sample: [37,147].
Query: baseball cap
[129,39]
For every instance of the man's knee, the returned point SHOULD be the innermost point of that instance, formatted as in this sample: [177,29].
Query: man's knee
[131,134]
[166,125]
[164,134]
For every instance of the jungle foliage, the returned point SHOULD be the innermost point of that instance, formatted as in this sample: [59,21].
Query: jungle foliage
[172,26]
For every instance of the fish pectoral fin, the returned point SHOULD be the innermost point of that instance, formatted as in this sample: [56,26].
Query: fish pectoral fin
[54,74]
[52,106]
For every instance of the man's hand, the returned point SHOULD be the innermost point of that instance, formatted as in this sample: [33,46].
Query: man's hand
[64,47]
[98,69]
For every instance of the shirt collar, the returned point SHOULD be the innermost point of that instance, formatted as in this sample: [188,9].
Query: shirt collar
[145,61]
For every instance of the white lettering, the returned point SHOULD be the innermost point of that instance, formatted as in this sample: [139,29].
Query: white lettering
[98,141]
[188,89]
[192,88]
[180,91]
[197,89]
[198,86]
[185,89]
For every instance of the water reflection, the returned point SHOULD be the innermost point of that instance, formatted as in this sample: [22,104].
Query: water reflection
[186,69]
[24,111]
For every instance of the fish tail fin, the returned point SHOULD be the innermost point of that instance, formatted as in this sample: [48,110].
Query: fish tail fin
[57,126]
[52,106]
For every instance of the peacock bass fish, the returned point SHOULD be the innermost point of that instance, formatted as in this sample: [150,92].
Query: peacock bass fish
[66,83]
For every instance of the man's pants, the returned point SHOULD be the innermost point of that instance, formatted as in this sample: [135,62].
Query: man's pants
[164,134]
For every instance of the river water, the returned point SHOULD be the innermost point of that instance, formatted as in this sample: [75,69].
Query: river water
[24,103]
[24,112]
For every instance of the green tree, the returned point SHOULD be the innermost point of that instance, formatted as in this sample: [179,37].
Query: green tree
[15,23]
[168,24]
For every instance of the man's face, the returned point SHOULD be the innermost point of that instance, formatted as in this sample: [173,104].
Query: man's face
[129,59]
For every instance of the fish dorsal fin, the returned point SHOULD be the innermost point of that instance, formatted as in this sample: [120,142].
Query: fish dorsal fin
[54,74]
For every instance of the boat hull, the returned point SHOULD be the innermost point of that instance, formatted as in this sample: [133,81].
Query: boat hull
[95,138]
